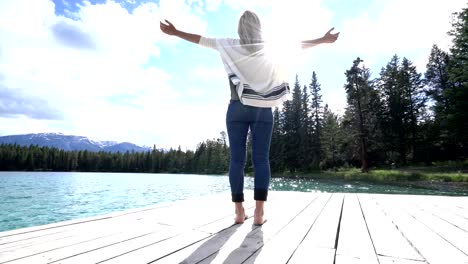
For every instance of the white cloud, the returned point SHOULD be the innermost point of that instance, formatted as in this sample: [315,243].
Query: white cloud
[181,13]
[301,19]
[213,5]
[250,4]
[24,125]
[95,69]
[399,27]
[209,72]
[81,67]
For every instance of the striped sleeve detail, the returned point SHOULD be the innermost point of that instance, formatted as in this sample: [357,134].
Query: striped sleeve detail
[249,96]
[273,94]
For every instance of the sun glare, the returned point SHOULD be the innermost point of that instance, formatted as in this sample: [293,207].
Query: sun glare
[282,46]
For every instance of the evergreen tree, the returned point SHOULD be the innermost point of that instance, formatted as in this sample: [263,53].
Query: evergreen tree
[316,115]
[199,158]
[156,160]
[224,152]
[403,102]
[292,126]
[357,89]
[437,80]
[437,83]
[457,95]
[305,155]
[331,139]
[395,109]
[277,144]
[415,98]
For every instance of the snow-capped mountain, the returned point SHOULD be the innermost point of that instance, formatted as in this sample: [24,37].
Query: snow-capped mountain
[70,142]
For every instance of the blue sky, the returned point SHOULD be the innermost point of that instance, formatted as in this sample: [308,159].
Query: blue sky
[103,69]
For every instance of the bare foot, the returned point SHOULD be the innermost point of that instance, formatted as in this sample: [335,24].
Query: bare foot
[258,217]
[240,216]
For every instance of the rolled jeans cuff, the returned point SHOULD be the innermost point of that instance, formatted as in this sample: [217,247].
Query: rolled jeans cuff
[260,194]
[237,197]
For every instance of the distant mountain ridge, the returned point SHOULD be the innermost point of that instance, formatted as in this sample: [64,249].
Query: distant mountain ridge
[70,142]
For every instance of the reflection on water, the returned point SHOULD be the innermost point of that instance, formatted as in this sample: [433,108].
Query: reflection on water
[310,185]
[36,198]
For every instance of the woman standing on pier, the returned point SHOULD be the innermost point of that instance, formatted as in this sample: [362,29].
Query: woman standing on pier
[256,86]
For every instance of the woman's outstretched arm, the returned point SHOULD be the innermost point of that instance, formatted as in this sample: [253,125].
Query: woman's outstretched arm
[171,30]
[327,38]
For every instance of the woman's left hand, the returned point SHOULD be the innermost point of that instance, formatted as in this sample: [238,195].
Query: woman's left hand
[329,37]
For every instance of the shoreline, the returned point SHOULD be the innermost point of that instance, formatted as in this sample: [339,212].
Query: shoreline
[447,182]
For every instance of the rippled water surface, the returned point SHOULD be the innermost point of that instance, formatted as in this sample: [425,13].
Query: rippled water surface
[36,198]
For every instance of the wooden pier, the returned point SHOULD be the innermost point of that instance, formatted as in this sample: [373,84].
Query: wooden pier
[300,228]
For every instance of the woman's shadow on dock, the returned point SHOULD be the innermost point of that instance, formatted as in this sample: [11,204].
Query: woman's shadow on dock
[248,249]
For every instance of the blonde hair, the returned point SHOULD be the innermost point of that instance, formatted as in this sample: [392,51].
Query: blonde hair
[250,31]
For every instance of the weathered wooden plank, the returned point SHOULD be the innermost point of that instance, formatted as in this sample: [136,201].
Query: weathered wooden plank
[195,214]
[387,239]
[323,232]
[459,201]
[103,230]
[155,251]
[431,246]
[50,246]
[210,246]
[390,260]
[446,215]
[461,213]
[301,228]
[84,237]
[226,221]
[182,239]
[208,218]
[114,250]
[106,231]
[442,207]
[18,234]
[227,207]
[276,250]
[204,248]
[62,233]
[92,246]
[319,243]
[354,242]
[231,255]
[241,246]
[457,205]
[453,235]
[43,229]
[445,208]
[43,232]
[315,255]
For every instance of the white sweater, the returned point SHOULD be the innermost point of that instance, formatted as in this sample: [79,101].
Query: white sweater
[258,81]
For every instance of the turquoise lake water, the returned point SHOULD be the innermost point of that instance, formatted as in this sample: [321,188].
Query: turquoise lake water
[36,198]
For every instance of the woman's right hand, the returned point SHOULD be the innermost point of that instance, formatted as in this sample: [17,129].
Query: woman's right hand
[171,30]
[168,29]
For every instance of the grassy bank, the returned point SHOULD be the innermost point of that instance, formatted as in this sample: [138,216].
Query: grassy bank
[382,175]
[438,172]
[427,178]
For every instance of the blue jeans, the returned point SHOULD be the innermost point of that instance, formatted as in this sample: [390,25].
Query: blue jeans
[239,119]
